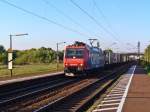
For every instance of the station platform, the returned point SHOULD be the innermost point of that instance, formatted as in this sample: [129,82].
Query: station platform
[138,97]
[9,81]
[130,94]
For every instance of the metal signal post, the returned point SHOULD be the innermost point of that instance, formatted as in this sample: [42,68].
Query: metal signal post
[10,53]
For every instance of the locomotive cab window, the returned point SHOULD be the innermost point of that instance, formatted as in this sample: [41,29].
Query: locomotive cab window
[74,53]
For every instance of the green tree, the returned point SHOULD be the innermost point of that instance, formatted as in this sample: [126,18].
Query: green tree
[2,49]
[3,55]
[31,56]
[3,58]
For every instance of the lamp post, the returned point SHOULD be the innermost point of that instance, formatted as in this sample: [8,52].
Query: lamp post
[10,53]
[57,55]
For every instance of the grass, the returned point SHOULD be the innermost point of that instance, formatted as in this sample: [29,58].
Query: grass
[26,70]
[147,68]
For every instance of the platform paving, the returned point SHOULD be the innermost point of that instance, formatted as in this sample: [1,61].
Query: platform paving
[138,97]
[115,98]
[27,78]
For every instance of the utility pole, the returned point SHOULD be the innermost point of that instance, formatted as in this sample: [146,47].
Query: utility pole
[57,57]
[138,46]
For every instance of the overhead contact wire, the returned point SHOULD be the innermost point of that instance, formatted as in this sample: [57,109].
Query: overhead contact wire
[44,18]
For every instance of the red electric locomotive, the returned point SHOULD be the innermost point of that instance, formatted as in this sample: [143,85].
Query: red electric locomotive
[80,58]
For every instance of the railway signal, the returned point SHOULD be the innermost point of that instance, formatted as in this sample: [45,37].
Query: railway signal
[10,57]
[10,53]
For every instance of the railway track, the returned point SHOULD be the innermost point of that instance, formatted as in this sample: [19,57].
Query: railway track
[79,100]
[17,86]
[21,91]
[114,98]
[32,93]
[48,95]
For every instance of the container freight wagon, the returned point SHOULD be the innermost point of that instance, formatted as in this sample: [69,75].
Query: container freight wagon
[116,58]
[124,58]
[111,58]
[81,58]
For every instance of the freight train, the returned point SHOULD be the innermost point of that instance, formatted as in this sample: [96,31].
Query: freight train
[81,58]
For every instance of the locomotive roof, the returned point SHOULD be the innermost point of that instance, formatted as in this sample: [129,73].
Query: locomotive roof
[77,44]
[73,46]
[84,45]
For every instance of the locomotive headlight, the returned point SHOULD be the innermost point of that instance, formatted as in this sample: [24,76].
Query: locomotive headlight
[81,64]
[80,67]
[66,64]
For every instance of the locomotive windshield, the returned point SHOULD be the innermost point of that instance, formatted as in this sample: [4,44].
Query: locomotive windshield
[74,53]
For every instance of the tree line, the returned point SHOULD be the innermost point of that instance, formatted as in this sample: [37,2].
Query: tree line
[30,56]
[147,55]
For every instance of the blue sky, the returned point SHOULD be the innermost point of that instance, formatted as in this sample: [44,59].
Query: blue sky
[127,20]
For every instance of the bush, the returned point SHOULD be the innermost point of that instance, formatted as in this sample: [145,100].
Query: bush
[31,56]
